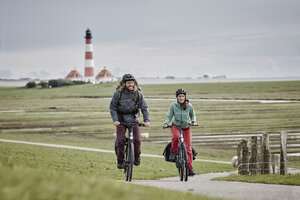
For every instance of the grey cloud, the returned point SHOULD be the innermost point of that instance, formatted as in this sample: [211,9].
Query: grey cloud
[153,37]
[5,74]
[39,74]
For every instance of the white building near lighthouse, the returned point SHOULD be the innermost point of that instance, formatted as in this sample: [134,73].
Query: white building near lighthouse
[105,77]
[74,75]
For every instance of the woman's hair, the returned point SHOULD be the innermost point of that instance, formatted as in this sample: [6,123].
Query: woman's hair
[184,104]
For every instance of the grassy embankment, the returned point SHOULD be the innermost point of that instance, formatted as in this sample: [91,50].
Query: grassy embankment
[78,116]
[290,179]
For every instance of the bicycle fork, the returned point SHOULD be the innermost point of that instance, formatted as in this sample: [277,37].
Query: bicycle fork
[130,146]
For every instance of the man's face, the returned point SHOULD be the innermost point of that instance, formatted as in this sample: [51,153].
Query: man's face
[129,85]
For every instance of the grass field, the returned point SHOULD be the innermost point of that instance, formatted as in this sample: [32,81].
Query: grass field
[79,116]
[36,184]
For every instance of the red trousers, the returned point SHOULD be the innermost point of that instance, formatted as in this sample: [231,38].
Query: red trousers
[187,136]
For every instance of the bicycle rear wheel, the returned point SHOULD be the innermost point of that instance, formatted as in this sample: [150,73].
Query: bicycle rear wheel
[129,161]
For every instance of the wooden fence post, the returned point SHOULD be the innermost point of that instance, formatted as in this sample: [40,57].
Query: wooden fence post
[283,153]
[266,154]
[239,155]
[253,158]
[260,155]
[245,157]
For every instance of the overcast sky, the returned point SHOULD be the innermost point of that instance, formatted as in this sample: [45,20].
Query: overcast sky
[187,38]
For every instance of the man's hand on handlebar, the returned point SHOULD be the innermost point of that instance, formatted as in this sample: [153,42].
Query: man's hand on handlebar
[147,124]
[116,123]
[166,125]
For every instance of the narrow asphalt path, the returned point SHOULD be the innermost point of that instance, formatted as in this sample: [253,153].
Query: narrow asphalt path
[202,184]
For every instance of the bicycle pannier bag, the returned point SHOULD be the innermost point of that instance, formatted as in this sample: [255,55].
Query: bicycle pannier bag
[166,152]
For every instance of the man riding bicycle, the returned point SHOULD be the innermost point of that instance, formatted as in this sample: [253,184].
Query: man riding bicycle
[183,112]
[124,107]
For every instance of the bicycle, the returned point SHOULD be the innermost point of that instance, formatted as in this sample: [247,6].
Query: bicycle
[129,151]
[181,158]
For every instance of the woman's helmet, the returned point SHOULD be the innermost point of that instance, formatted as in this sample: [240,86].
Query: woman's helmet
[128,77]
[180,91]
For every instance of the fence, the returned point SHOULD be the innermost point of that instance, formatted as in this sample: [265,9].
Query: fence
[257,158]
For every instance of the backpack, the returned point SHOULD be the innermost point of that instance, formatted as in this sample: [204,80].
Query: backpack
[136,96]
[166,152]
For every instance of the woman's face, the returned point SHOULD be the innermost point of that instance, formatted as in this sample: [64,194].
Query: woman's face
[181,98]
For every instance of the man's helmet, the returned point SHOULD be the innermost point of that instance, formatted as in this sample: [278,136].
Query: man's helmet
[128,77]
[180,91]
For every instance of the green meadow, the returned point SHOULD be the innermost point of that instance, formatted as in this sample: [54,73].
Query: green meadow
[79,116]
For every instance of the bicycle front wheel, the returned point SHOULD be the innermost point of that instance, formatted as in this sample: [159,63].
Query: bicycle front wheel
[129,161]
[183,159]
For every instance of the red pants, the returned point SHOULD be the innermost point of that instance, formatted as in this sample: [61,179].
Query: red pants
[121,139]
[187,136]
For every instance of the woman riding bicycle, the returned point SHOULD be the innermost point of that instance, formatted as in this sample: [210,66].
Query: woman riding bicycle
[183,113]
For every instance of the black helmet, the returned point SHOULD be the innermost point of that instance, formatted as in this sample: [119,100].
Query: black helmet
[128,77]
[180,91]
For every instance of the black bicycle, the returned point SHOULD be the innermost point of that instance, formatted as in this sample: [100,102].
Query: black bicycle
[181,157]
[129,151]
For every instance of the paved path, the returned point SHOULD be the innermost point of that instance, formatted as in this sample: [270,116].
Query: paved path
[201,184]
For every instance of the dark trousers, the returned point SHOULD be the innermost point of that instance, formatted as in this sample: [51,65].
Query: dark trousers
[121,139]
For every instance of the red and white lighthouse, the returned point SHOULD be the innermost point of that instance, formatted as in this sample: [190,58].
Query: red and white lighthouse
[89,60]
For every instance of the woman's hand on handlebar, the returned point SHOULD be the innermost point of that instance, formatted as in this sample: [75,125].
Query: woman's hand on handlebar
[194,124]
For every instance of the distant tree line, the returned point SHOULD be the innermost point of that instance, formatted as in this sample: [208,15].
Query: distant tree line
[53,83]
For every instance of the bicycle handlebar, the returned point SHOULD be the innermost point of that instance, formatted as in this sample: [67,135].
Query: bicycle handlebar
[170,126]
[131,124]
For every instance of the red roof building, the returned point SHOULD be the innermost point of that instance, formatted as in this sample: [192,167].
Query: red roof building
[105,77]
[74,75]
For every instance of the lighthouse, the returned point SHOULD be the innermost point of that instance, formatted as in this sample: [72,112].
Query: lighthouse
[89,60]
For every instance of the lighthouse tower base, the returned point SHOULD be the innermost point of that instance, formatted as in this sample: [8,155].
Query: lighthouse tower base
[89,80]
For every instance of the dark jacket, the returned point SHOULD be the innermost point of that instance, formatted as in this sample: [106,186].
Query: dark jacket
[125,109]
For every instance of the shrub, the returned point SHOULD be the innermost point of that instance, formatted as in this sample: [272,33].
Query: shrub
[31,84]
[77,82]
[43,84]
[58,83]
